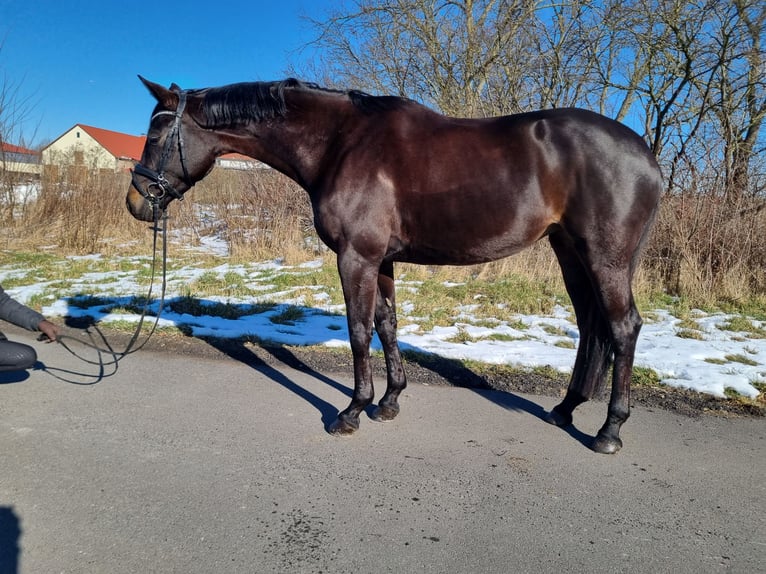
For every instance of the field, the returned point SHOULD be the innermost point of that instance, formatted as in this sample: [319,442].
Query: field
[244,262]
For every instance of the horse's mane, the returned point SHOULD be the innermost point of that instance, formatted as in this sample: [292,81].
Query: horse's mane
[235,104]
[369,104]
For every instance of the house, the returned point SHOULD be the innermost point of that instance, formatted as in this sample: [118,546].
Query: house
[239,162]
[87,148]
[19,160]
[90,148]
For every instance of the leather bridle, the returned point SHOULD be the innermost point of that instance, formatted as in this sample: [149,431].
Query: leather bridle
[160,187]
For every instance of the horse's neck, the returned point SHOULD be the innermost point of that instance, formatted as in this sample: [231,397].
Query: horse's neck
[297,144]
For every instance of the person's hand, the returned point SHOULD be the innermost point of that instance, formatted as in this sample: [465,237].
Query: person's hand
[49,329]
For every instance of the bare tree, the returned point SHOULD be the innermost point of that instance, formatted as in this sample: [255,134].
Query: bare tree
[15,108]
[447,54]
[739,90]
[689,75]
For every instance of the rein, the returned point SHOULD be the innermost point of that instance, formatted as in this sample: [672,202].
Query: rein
[155,192]
[117,356]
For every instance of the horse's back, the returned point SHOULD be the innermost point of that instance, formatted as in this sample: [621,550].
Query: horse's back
[568,141]
[463,191]
[562,157]
[576,133]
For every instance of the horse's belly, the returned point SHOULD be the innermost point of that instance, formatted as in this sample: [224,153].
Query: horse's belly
[467,246]
[474,223]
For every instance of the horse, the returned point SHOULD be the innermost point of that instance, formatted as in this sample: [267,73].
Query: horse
[391,180]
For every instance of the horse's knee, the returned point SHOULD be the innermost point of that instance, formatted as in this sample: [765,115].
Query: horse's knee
[625,331]
[359,338]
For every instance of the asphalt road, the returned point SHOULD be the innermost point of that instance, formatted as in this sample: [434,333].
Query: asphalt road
[186,464]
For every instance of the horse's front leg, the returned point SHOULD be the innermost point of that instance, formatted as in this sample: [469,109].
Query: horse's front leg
[385,325]
[359,281]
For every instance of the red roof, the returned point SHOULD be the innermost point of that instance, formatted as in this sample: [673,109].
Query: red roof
[10,148]
[125,146]
[118,144]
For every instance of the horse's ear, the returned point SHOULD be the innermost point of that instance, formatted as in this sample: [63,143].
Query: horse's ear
[164,96]
[175,87]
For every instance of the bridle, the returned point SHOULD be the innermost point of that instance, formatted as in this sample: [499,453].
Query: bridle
[160,187]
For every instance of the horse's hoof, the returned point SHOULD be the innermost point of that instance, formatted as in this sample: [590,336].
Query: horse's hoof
[556,418]
[343,427]
[383,414]
[606,445]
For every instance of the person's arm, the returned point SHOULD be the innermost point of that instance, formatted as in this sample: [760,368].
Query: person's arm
[22,316]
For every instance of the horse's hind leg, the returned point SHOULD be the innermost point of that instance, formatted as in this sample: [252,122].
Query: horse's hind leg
[625,324]
[385,326]
[594,351]
[609,328]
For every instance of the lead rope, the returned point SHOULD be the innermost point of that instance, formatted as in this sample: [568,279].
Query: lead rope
[117,356]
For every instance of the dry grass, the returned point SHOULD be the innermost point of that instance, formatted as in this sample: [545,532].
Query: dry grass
[83,217]
[261,214]
[707,249]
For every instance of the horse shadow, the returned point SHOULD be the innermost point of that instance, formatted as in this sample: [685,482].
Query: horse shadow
[237,350]
[452,372]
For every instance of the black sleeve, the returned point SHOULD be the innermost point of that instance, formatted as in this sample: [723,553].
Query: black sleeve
[18,314]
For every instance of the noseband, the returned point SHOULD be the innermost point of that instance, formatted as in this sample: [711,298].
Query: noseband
[160,187]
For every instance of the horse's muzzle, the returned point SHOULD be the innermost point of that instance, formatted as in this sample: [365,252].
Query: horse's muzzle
[138,205]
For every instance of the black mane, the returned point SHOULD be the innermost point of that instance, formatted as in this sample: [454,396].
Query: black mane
[369,104]
[235,104]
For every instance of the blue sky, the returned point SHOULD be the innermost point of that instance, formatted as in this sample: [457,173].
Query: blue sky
[77,60]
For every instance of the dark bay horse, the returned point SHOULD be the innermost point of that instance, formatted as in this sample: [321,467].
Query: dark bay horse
[391,180]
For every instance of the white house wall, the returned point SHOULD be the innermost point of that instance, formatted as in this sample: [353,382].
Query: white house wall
[20,167]
[64,150]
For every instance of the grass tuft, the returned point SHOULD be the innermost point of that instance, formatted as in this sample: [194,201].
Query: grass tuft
[690,334]
[744,325]
[644,376]
[737,358]
[289,316]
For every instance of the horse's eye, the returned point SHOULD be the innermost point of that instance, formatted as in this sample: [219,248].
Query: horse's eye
[154,140]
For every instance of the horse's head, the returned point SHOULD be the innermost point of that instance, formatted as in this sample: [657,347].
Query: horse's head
[174,157]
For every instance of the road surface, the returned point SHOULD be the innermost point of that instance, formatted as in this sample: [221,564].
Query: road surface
[187,464]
